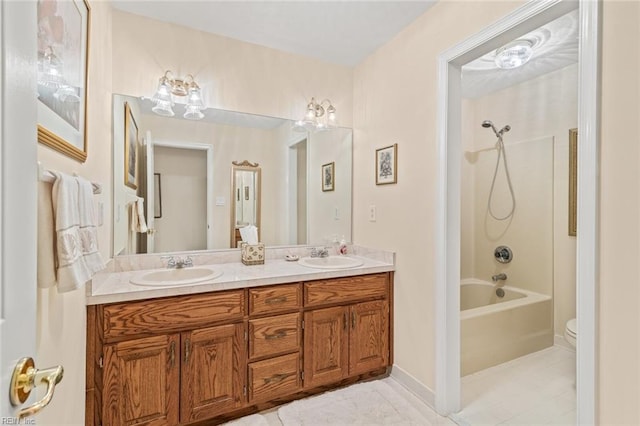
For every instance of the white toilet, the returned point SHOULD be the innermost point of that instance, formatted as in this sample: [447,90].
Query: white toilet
[570,332]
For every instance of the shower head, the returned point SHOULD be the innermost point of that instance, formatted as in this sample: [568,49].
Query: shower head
[488,124]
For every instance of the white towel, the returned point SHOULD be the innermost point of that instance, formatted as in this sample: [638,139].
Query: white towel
[138,222]
[76,235]
[46,237]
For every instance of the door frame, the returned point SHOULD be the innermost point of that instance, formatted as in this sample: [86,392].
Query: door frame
[447,307]
[210,195]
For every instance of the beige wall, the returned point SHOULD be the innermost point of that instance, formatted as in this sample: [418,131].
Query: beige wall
[62,317]
[395,95]
[540,111]
[619,296]
[233,75]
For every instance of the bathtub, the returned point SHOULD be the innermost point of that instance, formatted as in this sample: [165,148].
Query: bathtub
[496,329]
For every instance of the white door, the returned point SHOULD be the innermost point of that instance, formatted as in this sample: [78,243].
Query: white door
[150,196]
[18,189]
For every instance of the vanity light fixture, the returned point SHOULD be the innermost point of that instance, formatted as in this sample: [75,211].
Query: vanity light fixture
[317,117]
[168,87]
[514,54]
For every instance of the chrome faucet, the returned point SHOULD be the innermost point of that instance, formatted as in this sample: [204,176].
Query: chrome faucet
[500,277]
[319,252]
[179,263]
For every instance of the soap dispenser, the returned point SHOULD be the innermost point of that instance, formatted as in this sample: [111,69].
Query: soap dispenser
[342,247]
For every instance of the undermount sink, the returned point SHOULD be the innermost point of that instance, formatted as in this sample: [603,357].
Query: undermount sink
[330,262]
[179,276]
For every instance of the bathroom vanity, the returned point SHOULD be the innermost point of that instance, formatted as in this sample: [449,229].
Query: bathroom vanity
[191,357]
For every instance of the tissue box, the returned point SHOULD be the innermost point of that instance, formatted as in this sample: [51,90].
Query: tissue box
[252,254]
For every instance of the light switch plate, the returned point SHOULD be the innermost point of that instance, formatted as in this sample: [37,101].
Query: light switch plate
[372,213]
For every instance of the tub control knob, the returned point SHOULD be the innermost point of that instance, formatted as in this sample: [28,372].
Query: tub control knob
[503,254]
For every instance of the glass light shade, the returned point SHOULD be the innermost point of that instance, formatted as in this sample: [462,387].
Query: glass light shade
[163,94]
[194,98]
[331,116]
[193,113]
[163,108]
[514,54]
[67,94]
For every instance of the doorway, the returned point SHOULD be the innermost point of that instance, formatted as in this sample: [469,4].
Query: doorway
[523,20]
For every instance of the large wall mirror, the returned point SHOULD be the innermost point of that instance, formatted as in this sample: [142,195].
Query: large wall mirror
[182,175]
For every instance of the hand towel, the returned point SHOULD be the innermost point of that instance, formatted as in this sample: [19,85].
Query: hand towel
[138,222]
[46,237]
[88,228]
[76,237]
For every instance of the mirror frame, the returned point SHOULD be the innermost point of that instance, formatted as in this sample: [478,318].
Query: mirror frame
[250,167]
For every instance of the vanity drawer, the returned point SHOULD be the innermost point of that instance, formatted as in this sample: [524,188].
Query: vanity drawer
[274,335]
[274,299]
[172,314]
[348,289]
[274,377]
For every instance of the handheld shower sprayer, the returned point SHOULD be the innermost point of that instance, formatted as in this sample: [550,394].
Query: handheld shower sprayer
[501,153]
[488,124]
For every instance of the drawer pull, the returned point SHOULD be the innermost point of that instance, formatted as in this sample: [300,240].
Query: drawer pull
[278,335]
[273,300]
[276,378]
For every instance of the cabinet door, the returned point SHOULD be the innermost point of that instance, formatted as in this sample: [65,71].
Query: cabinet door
[213,371]
[325,346]
[141,382]
[369,336]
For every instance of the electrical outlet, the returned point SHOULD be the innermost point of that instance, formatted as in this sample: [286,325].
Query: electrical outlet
[372,213]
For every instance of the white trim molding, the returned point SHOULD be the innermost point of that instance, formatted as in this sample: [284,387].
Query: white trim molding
[447,303]
[413,385]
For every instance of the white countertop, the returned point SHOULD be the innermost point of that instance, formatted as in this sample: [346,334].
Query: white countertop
[110,287]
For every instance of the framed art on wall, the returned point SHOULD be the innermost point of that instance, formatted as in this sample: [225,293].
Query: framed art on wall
[63,51]
[386,165]
[130,147]
[573,182]
[328,177]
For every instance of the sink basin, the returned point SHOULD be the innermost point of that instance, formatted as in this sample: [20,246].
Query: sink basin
[182,276]
[330,262]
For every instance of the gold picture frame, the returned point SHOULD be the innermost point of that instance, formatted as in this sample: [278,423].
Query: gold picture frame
[387,165]
[130,148]
[328,177]
[63,38]
[573,182]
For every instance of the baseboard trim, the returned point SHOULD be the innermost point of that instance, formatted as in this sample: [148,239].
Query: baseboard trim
[562,342]
[413,385]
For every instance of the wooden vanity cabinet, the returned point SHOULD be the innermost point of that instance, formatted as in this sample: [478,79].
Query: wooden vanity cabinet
[347,340]
[206,358]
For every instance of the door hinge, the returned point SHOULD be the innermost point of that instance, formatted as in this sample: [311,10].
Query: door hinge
[302,375]
[303,324]
[101,361]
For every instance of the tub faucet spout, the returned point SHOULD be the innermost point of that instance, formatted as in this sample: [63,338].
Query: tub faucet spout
[499,277]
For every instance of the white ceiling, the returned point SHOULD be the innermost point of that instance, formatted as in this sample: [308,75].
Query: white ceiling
[342,32]
[347,31]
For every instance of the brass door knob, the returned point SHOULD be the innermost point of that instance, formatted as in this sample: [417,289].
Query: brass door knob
[25,378]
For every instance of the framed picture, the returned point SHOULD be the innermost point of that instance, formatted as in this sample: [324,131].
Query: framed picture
[328,176]
[573,182]
[63,46]
[130,147]
[157,199]
[387,165]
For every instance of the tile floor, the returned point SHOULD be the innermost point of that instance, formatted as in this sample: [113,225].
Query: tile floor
[537,389]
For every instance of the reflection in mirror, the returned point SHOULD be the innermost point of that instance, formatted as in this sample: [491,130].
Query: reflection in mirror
[245,198]
[193,159]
